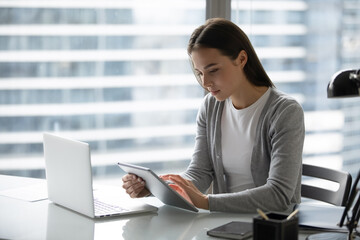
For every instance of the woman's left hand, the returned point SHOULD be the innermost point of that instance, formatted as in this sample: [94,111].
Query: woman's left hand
[199,199]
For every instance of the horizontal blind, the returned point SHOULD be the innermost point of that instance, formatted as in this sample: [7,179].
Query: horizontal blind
[114,74]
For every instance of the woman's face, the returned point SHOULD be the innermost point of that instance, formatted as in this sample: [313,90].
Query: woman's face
[220,75]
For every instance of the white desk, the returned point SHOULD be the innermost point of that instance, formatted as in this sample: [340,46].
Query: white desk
[21,219]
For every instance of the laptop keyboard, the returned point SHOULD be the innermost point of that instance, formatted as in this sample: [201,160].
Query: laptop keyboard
[102,208]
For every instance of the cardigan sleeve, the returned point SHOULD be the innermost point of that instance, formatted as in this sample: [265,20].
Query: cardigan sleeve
[200,171]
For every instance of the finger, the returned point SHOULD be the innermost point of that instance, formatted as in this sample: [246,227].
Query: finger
[135,189]
[166,176]
[179,180]
[132,179]
[137,192]
[127,184]
[171,176]
[132,182]
[129,177]
[182,192]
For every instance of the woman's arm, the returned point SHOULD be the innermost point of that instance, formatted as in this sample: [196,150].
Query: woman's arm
[200,170]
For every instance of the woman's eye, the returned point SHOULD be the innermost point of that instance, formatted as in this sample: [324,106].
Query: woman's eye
[214,70]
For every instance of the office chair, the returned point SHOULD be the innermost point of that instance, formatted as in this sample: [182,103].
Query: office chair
[337,198]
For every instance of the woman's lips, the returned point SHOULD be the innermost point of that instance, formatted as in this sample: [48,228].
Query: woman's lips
[214,92]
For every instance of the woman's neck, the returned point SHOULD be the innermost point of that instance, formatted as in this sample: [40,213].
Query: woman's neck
[247,96]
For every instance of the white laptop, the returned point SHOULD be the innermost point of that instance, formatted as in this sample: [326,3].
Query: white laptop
[69,180]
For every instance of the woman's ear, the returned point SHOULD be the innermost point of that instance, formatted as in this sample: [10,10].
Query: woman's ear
[241,59]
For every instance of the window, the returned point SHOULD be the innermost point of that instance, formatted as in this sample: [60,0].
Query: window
[114,74]
[301,45]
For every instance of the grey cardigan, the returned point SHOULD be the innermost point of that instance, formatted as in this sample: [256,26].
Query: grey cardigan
[276,162]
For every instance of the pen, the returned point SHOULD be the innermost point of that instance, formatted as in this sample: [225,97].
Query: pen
[262,214]
[292,214]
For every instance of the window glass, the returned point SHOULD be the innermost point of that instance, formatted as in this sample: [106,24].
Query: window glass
[301,45]
[114,74]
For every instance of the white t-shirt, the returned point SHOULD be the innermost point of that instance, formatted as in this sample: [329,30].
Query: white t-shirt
[237,140]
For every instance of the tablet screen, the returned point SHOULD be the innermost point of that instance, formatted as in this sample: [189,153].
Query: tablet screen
[158,187]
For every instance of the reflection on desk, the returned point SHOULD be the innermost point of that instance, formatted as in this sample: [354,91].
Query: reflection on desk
[65,224]
[45,220]
[168,223]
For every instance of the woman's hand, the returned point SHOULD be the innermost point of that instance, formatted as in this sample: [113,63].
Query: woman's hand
[199,199]
[135,186]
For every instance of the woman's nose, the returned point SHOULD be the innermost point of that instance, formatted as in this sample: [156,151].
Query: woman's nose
[206,81]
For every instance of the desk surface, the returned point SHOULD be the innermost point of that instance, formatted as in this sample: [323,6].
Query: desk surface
[44,220]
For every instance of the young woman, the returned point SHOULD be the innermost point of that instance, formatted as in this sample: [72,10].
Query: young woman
[249,137]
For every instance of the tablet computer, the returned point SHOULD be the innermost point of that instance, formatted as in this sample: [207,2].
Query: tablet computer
[158,187]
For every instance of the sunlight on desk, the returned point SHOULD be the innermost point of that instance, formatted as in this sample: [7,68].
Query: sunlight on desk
[32,193]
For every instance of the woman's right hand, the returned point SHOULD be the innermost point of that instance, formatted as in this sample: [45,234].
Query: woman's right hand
[135,186]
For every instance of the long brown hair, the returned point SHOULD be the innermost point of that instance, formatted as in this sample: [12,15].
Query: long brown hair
[229,39]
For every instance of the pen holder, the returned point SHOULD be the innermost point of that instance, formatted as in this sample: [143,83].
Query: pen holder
[276,228]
